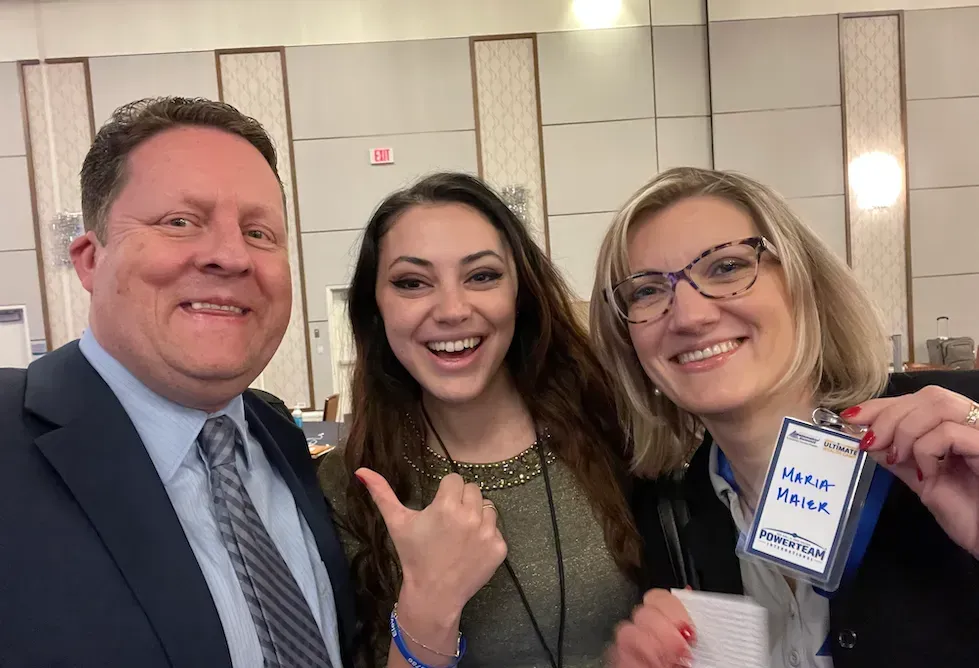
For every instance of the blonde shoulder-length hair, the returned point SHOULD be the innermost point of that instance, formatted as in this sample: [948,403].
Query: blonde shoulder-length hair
[841,348]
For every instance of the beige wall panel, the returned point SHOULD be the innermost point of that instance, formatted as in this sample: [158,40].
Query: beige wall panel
[944,234]
[941,53]
[383,88]
[826,216]
[798,151]
[677,12]
[943,142]
[594,167]
[119,80]
[684,142]
[775,64]
[17,224]
[11,119]
[253,82]
[339,188]
[509,132]
[574,248]
[329,259]
[680,62]
[20,284]
[595,75]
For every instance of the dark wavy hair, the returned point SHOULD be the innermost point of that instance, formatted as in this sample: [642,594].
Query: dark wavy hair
[554,369]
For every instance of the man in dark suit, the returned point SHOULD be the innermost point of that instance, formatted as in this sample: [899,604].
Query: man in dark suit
[153,512]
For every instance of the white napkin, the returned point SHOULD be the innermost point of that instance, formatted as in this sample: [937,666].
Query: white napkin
[732,631]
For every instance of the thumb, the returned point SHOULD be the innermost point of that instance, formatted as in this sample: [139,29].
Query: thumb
[384,497]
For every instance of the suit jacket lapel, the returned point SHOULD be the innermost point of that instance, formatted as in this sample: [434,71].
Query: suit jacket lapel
[99,456]
[294,465]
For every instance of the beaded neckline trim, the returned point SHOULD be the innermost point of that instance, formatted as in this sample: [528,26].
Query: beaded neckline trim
[511,472]
[498,475]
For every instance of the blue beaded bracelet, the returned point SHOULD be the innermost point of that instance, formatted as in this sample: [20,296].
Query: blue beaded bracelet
[399,642]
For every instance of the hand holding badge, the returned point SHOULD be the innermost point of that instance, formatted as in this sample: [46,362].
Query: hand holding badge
[809,508]
[930,440]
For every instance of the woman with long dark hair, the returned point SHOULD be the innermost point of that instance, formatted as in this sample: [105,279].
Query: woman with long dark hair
[471,362]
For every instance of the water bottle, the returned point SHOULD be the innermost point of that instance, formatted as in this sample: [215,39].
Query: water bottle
[297,416]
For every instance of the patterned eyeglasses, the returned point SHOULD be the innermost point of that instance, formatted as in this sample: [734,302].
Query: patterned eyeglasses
[719,272]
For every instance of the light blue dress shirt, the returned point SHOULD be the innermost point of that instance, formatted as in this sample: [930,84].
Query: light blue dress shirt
[169,434]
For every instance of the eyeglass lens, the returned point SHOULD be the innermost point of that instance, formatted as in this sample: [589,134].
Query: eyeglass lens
[722,273]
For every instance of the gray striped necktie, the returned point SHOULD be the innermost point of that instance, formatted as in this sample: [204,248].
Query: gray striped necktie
[286,628]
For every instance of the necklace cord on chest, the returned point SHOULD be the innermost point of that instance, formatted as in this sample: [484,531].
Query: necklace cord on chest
[559,661]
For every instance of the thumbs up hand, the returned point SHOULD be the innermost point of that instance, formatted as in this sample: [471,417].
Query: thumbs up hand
[450,549]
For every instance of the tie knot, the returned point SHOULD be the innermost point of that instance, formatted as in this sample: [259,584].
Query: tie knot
[217,441]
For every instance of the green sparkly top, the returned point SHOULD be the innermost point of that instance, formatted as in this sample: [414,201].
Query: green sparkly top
[497,627]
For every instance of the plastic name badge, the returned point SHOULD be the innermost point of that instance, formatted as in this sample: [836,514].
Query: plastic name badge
[810,506]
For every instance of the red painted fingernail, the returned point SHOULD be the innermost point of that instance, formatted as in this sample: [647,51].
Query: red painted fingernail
[921,476]
[851,412]
[891,456]
[687,632]
[868,439]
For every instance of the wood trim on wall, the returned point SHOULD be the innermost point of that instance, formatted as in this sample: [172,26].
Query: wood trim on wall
[299,229]
[281,50]
[217,72]
[846,166]
[902,54]
[540,148]
[540,125]
[475,86]
[710,88]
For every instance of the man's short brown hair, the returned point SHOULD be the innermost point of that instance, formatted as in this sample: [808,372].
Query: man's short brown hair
[103,172]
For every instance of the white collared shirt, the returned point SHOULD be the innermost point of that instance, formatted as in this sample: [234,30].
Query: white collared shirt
[169,434]
[798,622]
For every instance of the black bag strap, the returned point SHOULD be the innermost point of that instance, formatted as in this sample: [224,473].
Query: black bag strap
[671,533]
[674,517]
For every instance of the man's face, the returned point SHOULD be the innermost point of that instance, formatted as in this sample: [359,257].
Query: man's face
[191,291]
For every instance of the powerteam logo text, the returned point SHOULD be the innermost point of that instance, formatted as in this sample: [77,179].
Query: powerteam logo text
[793,544]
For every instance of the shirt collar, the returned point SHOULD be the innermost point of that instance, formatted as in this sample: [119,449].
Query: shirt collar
[722,476]
[167,429]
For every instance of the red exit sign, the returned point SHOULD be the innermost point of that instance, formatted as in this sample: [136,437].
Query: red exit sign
[382,156]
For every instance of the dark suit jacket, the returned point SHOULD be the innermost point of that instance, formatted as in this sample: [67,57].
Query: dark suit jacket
[914,600]
[95,570]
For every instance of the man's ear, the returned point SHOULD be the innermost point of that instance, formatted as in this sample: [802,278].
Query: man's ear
[82,251]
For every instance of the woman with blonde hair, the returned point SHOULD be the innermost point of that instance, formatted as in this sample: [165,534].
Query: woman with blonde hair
[720,313]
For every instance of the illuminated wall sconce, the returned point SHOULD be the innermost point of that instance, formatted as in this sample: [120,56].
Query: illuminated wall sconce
[876,180]
[596,13]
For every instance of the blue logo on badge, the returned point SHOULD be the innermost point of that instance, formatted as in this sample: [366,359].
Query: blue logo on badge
[793,543]
[797,435]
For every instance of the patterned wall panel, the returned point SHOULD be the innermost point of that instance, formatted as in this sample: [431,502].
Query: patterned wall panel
[872,84]
[60,126]
[508,125]
[255,84]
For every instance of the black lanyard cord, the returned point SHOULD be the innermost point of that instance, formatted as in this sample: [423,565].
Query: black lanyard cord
[559,663]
